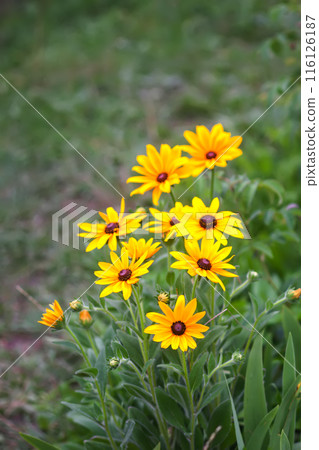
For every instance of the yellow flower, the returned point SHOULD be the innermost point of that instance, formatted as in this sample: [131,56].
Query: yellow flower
[169,224]
[159,170]
[177,328]
[85,318]
[115,225]
[137,248]
[207,222]
[207,261]
[53,317]
[210,148]
[121,274]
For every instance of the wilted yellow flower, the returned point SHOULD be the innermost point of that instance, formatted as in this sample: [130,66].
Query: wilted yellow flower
[207,261]
[53,317]
[115,225]
[121,274]
[159,170]
[137,248]
[177,328]
[210,148]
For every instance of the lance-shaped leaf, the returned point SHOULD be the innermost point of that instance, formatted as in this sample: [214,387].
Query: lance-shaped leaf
[254,395]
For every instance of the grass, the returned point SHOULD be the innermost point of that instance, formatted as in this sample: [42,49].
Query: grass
[112,78]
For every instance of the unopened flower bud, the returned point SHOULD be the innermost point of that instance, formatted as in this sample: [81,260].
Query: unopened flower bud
[293,294]
[252,275]
[237,356]
[114,363]
[163,297]
[76,305]
[85,318]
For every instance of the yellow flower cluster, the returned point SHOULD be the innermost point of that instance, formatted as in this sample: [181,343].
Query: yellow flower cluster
[158,172]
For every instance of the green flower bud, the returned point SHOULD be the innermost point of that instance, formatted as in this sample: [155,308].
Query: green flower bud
[76,305]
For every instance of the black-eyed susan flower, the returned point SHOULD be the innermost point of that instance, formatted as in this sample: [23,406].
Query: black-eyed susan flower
[210,148]
[177,328]
[137,248]
[207,261]
[121,273]
[169,224]
[54,317]
[85,318]
[207,222]
[159,170]
[115,225]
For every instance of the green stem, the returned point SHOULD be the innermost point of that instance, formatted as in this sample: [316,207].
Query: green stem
[213,302]
[173,196]
[194,286]
[225,364]
[184,365]
[136,326]
[92,342]
[150,371]
[212,179]
[101,397]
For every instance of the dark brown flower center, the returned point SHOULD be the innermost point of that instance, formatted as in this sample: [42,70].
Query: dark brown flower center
[178,328]
[162,177]
[210,155]
[111,227]
[204,263]
[173,221]
[125,274]
[208,222]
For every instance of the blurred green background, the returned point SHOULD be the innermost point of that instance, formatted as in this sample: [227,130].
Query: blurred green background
[112,77]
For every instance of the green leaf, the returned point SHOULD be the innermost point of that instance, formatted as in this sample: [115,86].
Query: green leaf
[274,186]
[254,395]
[128,430]
[263,248]
[291,324]
[175,367]
[239,438]
[93,301]
[119,350]
[102,372]
[215,390]
[37,443]
[170,409]
[132,347]
[157,447]
[135,390]
[70,345]
[139,417]
[257,438]
[196,375]
[221,417]
[288,402]
[289,373]
[87,372]
[170,278]
[284,442]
